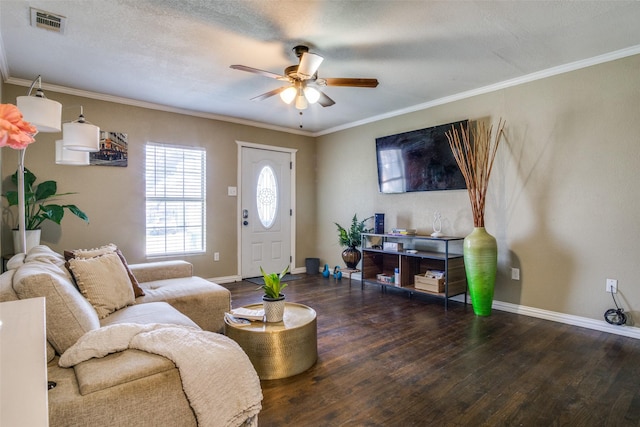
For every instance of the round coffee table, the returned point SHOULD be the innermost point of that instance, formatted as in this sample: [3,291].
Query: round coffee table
[280,349]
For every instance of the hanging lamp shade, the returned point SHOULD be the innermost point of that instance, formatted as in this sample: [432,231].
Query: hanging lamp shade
[70,157]
[45,114]
[81,135]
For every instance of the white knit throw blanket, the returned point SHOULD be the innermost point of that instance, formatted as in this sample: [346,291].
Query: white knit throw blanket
[218,379]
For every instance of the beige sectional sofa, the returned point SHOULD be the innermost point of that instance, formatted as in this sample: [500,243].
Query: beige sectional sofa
[131,387]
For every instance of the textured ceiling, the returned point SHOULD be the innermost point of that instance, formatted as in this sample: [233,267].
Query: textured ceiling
[177,53]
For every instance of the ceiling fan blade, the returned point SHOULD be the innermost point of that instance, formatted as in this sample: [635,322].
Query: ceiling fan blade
[269,94]
[324,100]
[351,82]
[261,72]
[309,64]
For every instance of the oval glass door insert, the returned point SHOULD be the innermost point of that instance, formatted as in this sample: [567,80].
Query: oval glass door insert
[267,196]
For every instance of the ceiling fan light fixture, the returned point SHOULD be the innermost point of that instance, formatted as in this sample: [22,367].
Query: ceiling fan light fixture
[301,102]
[288,94]
[309,64]
[312,95]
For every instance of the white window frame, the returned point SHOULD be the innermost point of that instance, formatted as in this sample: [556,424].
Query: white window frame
[173,226]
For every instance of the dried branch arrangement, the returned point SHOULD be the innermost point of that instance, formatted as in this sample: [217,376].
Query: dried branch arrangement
[474,152]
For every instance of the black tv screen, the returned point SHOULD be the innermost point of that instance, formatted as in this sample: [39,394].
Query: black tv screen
[419,160]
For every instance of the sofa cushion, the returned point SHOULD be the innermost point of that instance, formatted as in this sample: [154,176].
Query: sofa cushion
[202,301]
[103,280]
[103,250]
[118,368]
[69,315]
[162,270]
[154,312]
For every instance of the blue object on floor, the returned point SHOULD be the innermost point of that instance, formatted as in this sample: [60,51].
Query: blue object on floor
[337,274]
[325,272]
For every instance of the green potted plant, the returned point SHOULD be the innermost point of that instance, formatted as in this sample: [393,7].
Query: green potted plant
[37,210]
[273,299]
[351,239]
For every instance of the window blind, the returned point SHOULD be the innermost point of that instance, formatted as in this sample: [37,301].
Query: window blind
[175,199]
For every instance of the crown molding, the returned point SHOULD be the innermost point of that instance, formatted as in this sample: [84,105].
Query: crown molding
[152,106]
[539,75]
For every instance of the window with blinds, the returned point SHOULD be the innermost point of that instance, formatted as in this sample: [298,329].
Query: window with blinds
[175,199]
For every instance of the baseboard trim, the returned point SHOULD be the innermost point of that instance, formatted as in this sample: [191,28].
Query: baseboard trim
[554,316]
[569,319]
[225,279]
[238,278]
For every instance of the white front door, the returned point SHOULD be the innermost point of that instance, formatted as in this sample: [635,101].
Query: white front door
[265,210]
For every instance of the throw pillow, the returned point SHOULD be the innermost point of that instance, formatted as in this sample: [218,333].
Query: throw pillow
[104,282]
[137,290]
[110,248]
[69,315]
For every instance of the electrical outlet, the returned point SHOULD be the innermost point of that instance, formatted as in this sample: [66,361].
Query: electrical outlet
[612,286]
[216,256]
[515,274]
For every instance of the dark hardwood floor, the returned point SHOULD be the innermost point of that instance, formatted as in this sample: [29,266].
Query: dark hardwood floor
[387,360]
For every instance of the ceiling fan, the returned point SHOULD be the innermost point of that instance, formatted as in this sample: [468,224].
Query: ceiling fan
[303,81]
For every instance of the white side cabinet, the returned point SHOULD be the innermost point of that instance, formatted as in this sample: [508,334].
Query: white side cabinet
[23,364]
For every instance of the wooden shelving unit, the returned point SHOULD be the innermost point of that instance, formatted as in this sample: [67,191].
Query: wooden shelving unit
[431,253]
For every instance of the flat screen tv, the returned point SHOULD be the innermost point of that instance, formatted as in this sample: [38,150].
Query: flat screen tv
[419,160]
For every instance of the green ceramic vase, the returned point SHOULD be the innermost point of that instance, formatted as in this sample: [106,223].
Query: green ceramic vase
[481,264]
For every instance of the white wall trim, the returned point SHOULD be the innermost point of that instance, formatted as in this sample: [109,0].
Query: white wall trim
[238,278]
[151,106]
[225,279]
[569,319]
[565,68]
[543,74]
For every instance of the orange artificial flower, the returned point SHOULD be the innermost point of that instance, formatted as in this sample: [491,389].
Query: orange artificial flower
[14,131]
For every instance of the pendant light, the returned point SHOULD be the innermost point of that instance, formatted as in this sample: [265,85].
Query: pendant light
[80,135]
[45,114]
[70,157]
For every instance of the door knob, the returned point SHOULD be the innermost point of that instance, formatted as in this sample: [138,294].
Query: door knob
[245,222]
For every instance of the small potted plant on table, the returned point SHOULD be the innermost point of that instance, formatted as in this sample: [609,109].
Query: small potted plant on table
[273,299]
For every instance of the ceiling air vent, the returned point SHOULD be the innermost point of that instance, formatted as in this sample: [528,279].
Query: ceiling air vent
[47,20]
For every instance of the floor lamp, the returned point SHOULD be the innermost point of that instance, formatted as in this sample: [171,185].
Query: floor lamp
[46,115]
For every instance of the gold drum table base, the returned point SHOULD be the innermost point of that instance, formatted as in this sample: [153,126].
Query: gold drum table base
[280,349]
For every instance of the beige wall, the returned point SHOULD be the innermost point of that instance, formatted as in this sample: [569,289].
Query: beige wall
[113,197]
[563,201]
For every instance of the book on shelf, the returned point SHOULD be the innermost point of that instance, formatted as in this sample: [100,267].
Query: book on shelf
[403,231]
[247,313]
